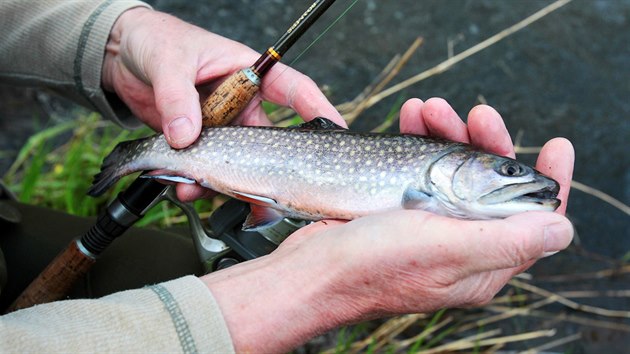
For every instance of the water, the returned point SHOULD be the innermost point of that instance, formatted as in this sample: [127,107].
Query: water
[565,75]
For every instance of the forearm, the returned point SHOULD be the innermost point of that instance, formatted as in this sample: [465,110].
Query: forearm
[276,303]
[176,316]
[61,45]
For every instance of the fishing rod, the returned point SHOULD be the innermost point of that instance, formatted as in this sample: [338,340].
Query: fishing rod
[240,88]
[220,108]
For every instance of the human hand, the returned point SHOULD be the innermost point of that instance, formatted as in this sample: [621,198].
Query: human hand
[156,64]
[486,130]
[332,273]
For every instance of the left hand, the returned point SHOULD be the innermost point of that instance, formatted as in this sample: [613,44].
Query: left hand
[156,63]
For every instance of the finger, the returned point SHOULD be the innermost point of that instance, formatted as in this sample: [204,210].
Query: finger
[487,245]
[526,266]
[224,58]
[253,115]
[177,102]
[192,192]
[411,120]
[479,289]
[517,240]
[487,131]
[441,120]
[288,87]
[556,160]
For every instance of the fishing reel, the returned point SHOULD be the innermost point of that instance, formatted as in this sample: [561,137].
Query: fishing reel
[221,242]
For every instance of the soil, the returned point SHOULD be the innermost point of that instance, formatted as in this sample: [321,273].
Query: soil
[565,75]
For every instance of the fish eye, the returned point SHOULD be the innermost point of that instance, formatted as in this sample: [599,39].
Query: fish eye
[512,169]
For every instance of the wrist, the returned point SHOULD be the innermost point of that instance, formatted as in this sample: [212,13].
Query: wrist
[112,56]
[277,302]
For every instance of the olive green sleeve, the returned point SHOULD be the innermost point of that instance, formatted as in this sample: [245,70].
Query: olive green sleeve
[176,316]
[60,45]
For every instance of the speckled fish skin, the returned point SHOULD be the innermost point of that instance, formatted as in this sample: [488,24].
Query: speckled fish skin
[332,173]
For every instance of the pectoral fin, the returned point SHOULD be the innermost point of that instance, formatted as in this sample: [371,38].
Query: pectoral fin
[417,199]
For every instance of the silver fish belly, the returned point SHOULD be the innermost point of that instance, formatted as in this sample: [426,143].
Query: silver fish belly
[332,173]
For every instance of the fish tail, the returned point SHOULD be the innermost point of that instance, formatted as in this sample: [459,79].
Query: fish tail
[113,168]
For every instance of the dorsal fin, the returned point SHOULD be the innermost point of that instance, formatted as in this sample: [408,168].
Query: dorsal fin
[319,123]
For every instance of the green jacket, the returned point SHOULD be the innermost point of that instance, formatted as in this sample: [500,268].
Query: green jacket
[60,45]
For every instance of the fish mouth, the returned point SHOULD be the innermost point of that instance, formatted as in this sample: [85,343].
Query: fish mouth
[542,191]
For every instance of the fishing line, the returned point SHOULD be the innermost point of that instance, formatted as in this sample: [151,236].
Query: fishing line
[324,32]
[328,28]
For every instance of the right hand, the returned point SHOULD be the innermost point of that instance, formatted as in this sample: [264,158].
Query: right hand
[332,272]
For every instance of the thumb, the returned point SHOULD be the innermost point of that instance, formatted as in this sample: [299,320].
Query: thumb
[177,103]
[489,245]
[512,242]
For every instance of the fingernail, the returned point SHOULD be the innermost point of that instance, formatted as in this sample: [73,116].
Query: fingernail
[548,254]
[179,130]
[557,237]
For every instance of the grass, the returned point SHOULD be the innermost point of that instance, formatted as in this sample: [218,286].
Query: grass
[56,166]
[55,169]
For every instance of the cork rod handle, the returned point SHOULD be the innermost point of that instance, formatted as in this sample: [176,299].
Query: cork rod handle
[230,98]
[55,281]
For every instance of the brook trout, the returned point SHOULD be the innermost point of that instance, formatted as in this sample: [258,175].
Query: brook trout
[319,170]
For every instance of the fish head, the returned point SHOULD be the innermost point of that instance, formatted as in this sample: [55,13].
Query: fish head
[473,184]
